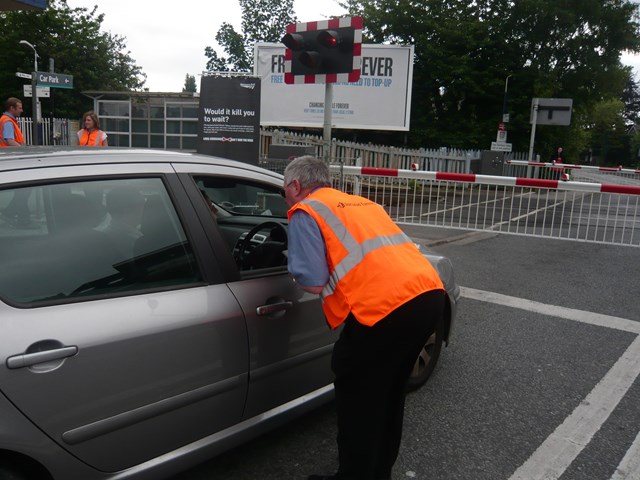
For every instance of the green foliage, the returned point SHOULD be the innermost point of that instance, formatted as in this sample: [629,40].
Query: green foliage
[464,52]
[190,84]
[72,37]
[262,21]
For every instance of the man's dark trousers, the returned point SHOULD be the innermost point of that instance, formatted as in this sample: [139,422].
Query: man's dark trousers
[372,367]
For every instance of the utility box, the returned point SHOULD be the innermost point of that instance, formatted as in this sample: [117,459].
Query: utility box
[491,163]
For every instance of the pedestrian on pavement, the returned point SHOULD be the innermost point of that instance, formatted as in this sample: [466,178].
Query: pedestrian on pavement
[11,135]
[375,283]
[91,135]
[558,156]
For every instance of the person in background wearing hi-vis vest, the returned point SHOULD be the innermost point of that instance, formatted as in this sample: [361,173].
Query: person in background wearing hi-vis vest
[91,135]
[10,133]
[374,281]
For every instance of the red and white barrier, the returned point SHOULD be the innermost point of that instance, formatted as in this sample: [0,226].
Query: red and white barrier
[492,180]
[574,167]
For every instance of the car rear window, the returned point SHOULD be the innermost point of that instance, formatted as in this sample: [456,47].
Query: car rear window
[68,241]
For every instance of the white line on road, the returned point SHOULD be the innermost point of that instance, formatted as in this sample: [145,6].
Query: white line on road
[629,467]
[591,318]
[562,447]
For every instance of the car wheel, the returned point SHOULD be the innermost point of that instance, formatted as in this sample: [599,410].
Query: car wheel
[427,358]
[17,467]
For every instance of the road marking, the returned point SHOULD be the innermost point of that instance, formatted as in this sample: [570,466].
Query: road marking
[630,465]
[583,316]
[562,447]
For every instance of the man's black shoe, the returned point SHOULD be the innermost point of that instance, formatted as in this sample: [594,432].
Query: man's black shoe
[321,477]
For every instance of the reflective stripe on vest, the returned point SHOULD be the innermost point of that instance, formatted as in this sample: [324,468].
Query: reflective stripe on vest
[356,251]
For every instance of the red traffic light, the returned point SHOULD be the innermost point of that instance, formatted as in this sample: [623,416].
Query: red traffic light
[329,38]
[294,41]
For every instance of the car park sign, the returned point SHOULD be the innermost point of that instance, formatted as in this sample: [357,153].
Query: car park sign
[55,80]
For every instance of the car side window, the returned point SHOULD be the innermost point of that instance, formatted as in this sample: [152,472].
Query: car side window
[62,242]
[244,208]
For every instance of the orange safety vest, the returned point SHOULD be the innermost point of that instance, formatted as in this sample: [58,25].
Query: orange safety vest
[90,139]
[17,132]
[373,266]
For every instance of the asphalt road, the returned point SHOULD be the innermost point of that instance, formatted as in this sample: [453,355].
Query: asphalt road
[540,380]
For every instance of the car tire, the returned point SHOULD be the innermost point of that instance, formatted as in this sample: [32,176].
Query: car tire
[427,358]
[16,467]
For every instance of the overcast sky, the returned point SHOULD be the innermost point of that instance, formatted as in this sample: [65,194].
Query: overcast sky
[167,39]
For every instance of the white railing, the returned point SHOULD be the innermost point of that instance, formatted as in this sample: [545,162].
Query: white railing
[588,212]
[370,155]
[53,131]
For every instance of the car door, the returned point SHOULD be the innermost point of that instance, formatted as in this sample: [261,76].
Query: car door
[119,339]
[290,343]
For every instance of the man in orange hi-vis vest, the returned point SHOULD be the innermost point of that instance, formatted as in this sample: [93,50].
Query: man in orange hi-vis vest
[10,133]
[374,281]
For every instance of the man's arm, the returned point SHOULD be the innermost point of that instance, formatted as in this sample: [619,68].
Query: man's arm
[307,253]
[12,143]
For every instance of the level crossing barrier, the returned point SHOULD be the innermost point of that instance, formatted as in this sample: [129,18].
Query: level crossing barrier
[582,173]
[568,210]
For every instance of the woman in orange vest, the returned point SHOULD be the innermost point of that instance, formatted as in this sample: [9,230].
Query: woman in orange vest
[374,281]
[10,133]
[91,135]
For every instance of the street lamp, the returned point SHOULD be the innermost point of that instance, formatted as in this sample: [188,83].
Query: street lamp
[34,95]
[505,114]
[35,54]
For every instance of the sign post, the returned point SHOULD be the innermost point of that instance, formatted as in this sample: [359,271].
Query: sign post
[555,111]
[34,111]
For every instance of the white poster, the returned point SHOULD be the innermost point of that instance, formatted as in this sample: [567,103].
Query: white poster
[380,100]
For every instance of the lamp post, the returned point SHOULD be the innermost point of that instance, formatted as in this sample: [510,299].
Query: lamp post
[34,95]
[505,113]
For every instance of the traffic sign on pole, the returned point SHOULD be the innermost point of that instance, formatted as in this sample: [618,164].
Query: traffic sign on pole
[23,75]
[42,92]
[55,80]
[500,147]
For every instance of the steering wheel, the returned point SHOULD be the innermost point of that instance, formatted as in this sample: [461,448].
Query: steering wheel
[243,249]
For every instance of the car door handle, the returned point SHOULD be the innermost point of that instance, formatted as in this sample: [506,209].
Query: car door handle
[29,359]
[272,308]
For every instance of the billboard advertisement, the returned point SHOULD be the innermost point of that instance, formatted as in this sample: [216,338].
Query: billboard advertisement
[380,100]
[229,117]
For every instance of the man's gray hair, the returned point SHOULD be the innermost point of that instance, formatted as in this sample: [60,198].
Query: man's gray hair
[310,171]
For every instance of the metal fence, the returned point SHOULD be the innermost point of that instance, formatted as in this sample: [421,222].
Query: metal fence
[588,212]
[370,155]
[52,131]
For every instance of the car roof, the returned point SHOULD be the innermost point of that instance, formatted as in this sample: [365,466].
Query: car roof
[20,158]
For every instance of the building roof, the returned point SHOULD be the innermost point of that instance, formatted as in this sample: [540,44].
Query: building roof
[23,5]
[133,94]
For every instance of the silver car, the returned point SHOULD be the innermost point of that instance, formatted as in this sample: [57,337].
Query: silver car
[147,320]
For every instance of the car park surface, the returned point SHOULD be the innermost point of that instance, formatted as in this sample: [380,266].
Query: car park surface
[148,319]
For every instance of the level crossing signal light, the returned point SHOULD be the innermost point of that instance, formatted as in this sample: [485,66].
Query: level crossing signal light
[323,52]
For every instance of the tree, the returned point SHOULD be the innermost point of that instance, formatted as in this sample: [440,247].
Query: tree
[190,84]
[464,51]
[262,21]
[72,37]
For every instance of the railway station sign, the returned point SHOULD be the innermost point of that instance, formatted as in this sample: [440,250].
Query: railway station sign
[55,80]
